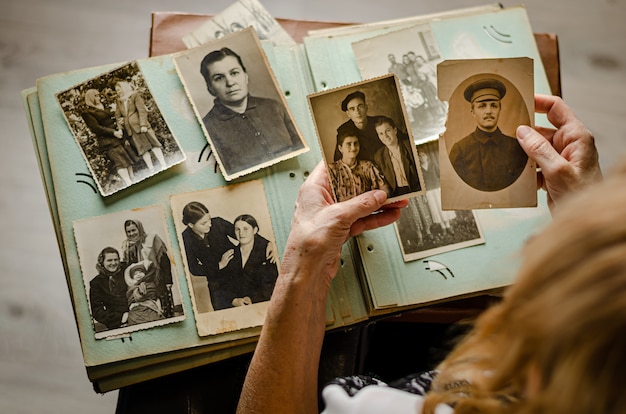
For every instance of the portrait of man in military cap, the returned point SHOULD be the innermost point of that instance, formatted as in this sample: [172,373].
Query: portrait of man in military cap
[487,159]
[482,165]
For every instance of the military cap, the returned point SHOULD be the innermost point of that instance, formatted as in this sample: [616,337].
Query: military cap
[485,90]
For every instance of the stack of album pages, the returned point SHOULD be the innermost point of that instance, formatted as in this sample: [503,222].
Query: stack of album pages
[172,211]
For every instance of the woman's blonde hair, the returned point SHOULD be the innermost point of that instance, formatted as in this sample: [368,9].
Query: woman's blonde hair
[563,322]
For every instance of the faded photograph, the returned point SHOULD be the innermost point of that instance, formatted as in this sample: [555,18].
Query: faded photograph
[365,140]
[129,277]
[412,55]
[119,128]
[237,99]
[236,17]
[229,251]
[480,144]
[424,229]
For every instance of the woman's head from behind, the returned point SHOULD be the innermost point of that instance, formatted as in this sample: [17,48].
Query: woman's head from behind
[569,305]
[557,342]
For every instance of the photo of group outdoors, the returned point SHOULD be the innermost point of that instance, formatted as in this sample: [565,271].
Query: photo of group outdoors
[129,277]
[424,229]
[412,55]
[482,163]
[239,104]
[365,141]
[230,254]
[119,128]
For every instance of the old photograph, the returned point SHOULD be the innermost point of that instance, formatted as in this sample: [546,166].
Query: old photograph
[365,140]
[119,128]
[239,104]
[127,268]
[230,254]
[424,229]
[482,164]
[236,17]
[412,54]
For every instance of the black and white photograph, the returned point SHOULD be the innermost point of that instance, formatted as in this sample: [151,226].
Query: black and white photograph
[239,104]
[127,268]
[424,229]
[236,17]
[365,140]
[482,163]
[412,54]
[230,253]
[119,128]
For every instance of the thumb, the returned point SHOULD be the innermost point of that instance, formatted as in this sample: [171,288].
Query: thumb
[364,204]
[537,147]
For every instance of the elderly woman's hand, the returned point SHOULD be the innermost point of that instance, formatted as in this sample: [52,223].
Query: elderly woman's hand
[283,373]
[567,155]
[320,226]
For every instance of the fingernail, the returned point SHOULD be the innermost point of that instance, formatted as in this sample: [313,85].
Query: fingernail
[380,196]
[523,131]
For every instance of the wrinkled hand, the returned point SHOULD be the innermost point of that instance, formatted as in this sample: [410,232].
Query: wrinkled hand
[567,155]
[320,226]
[118,133]
[143,129]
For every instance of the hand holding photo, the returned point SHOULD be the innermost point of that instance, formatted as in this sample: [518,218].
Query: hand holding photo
[367,152]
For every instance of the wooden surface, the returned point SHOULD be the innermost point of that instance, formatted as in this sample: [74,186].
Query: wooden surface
[41,367]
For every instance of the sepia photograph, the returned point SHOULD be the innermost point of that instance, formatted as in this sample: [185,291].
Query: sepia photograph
[119,128]
[412,54]
[129,277]
[482,163]
[239,104]
[424,229]
[365,140]
[230,254]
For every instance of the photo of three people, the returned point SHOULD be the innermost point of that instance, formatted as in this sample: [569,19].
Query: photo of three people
[365,141]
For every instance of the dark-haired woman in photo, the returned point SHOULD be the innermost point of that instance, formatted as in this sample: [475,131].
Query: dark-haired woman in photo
[107,292]
[250,274]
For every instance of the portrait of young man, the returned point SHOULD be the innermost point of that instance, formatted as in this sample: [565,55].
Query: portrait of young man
[482,163]
[354,105]
[237,99]
[487,159]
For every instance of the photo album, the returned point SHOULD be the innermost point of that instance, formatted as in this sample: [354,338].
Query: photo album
[171,179]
